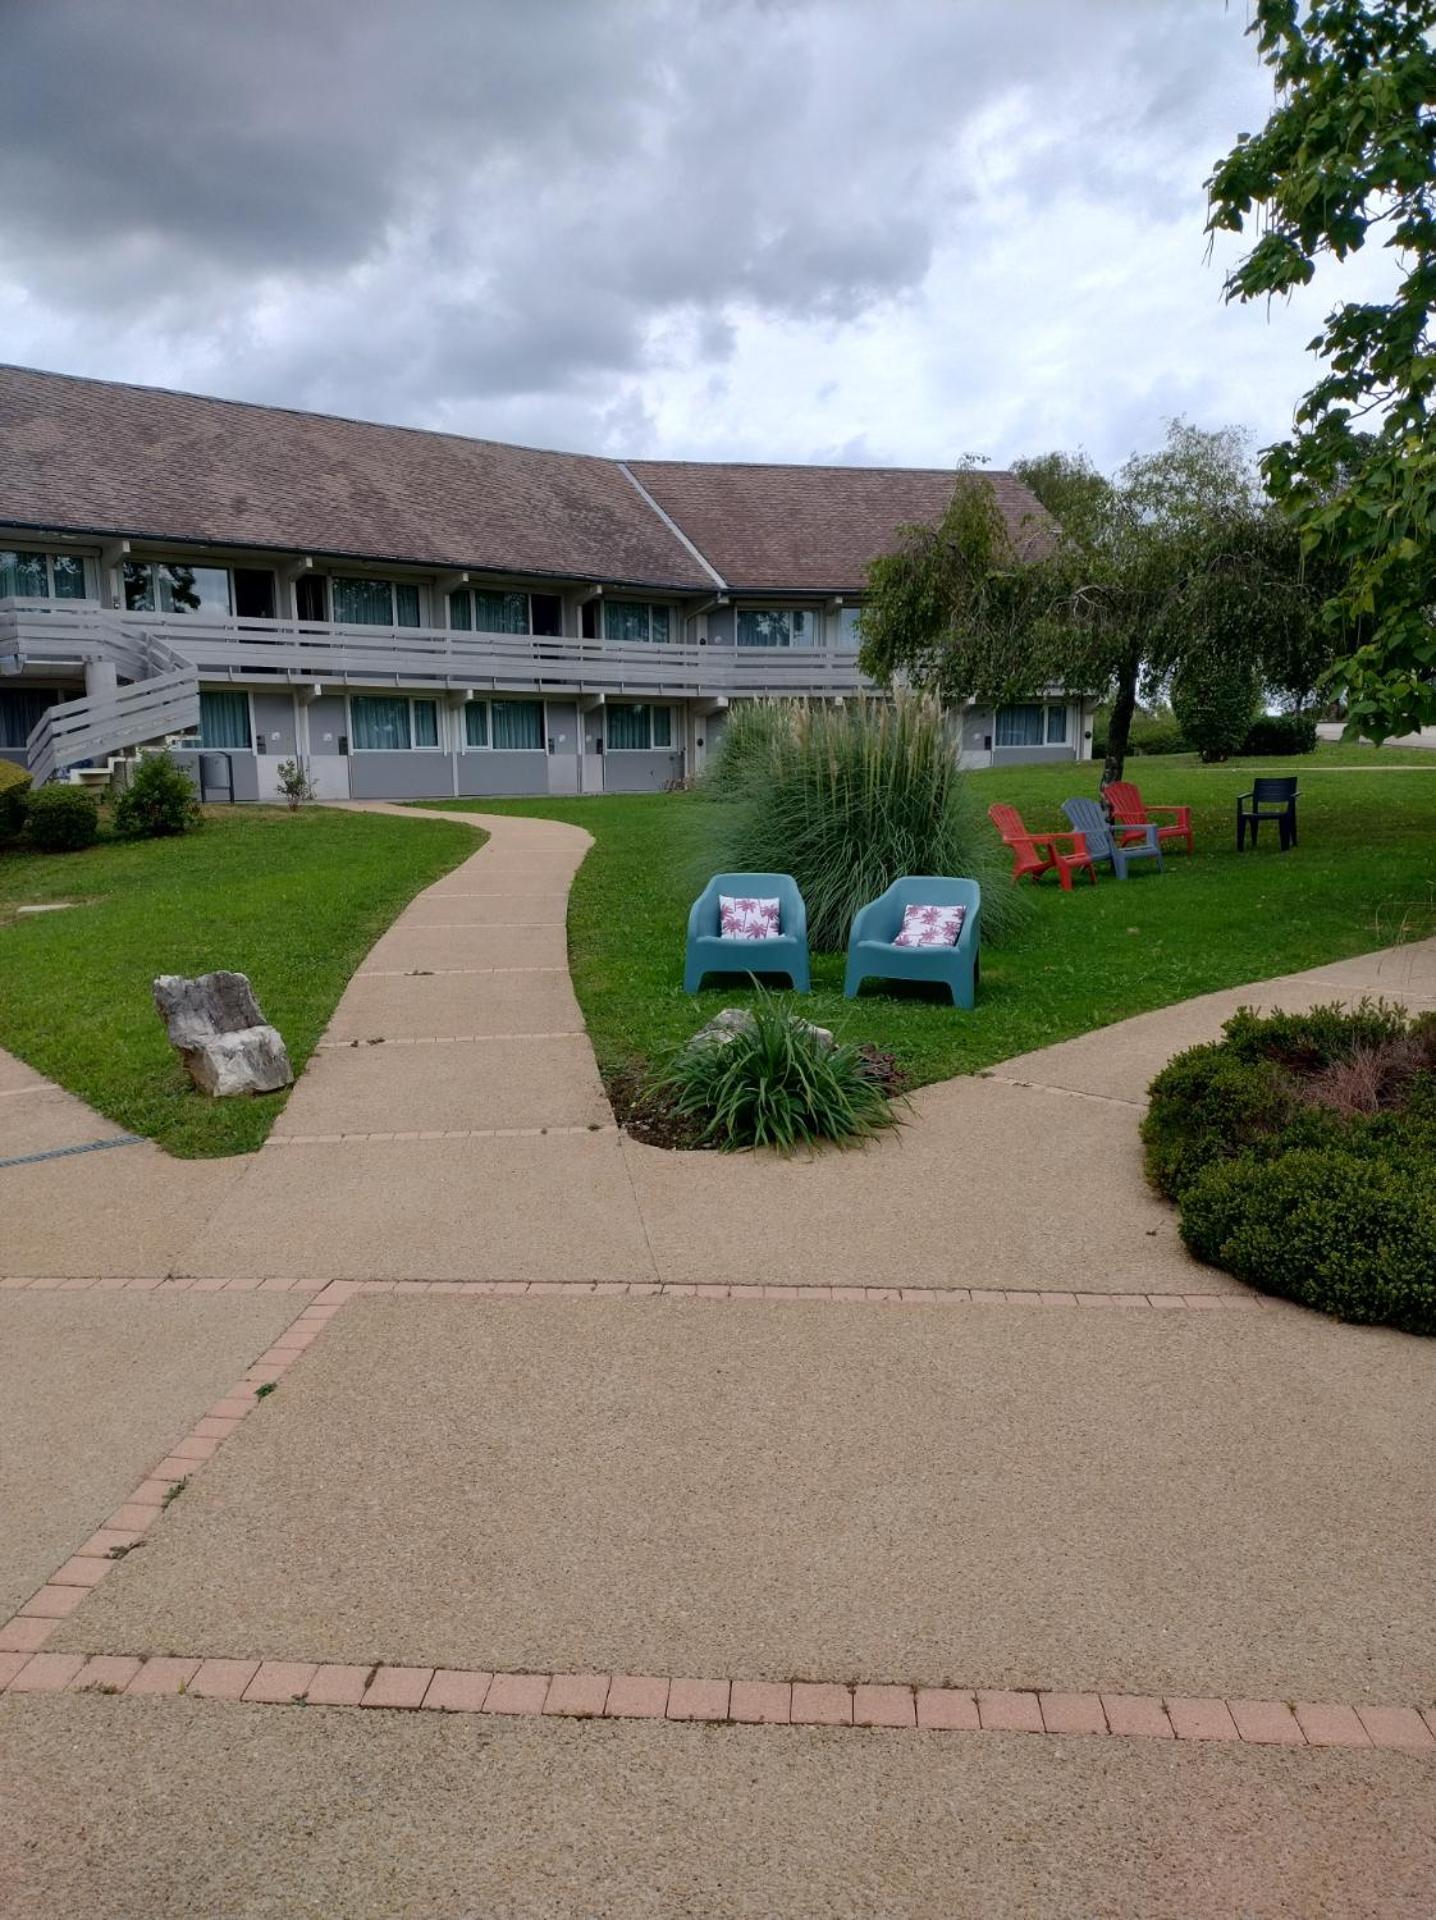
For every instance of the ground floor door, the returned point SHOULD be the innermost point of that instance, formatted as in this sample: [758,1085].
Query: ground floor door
[564,741]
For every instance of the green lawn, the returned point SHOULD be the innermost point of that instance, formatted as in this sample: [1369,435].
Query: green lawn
[1363,876]
[293,900]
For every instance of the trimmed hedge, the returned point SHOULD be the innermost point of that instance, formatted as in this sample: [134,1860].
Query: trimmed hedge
[1298,1150]
[14,788]
[62,819]
[1275,734]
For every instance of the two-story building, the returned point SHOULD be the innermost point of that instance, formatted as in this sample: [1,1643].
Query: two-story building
[416,614]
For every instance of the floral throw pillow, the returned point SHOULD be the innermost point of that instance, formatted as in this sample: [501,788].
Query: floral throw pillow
[931,926]
[743,918]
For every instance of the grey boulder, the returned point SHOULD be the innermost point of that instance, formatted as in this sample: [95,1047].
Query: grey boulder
[734,1020]
[215,1024]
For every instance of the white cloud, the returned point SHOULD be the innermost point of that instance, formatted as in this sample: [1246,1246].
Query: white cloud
[802,229]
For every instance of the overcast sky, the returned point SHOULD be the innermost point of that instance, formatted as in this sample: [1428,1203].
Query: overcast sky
[847,230]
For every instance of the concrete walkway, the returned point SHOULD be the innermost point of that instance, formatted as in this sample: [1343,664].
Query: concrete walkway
[997,1605]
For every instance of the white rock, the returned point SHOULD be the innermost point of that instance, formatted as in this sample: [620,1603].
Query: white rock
[215,1024]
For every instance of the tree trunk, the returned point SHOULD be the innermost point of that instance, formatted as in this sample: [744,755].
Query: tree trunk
[1119,727]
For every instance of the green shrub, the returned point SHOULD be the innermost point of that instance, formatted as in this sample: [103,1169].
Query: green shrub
[62,819]
[1336,1231]
[1272,735]
[14,787]
[848,799]
[775,1083]
[1153,730]
[1214,698]
[1299,1150]
[159,801]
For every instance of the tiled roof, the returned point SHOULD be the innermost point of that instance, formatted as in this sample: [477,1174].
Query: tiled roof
[95,456]
[814,527]
[91,455]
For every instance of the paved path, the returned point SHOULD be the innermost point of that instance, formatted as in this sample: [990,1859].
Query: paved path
[1046,1579]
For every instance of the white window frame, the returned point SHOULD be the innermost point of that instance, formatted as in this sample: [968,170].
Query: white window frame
[650,707]
[410,699]
[652,607]
[249,704]
[50,555]
[466,745]
[153,565]
[1046,708]
[392,581]
[790,645]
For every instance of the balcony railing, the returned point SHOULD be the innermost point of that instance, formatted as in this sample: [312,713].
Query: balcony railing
[58,632]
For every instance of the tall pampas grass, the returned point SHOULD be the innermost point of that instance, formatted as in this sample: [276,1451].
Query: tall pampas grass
[850,798]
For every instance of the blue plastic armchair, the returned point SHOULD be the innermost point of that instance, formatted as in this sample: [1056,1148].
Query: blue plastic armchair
[1132,843]
[709,952]
[871,952]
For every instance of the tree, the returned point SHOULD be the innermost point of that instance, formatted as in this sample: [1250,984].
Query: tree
[1349,152]
[1105,595]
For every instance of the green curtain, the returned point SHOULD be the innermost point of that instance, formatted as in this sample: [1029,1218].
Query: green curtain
[224,720]
[461,612]
[406,606]
[426,724]
[19,712]
[380,724]
[628,620]
[69,571]
[629,728]
[518,723]
[1019,726]
[663,726]
[362,603]
[763,627]
[476,724]
[501,612]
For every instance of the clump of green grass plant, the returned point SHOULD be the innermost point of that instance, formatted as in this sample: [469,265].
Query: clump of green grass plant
[777,1082]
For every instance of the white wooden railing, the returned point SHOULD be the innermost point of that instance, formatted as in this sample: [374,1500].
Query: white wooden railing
[60,632]
[108,721]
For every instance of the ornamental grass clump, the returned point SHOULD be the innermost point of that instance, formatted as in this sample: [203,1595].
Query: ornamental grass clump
[848,799]
[775,1082]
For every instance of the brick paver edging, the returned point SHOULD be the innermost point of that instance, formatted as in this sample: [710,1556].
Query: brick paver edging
[26,1668]
[335,1291]
[622,1696]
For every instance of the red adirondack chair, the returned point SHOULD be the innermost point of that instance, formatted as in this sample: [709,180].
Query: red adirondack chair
[1039,853]
[1126,807]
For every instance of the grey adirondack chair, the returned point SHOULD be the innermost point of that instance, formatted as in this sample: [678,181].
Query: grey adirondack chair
[1088,818]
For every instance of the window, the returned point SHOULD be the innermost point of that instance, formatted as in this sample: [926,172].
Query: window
[426,723]
[372,603]
[310,600]
[166,586]
[518,724]
[253,593]
[379,725]
[501,612]
[639,729]
[1030,724]
[777,627]
[634,620]
[224,720]
[476,724]
[1019,726]
[19,712]
[848,633]
[59,576]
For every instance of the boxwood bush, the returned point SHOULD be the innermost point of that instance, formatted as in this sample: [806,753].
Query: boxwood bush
[62,819]
[1299,1149]
[14,791]
[159,802]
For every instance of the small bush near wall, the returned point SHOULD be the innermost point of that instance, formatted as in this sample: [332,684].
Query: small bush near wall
[1275,734]
[62,819]
[1299,1150]
[14,791]
[848,799]
[159,801]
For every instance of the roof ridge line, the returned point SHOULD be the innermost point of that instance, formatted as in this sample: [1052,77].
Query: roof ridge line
[672,525]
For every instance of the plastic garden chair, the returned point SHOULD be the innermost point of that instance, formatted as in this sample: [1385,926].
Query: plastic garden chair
[1272,799]
[1128,809]
[1111,843]
[1039,853]
[708,952]
[871,952]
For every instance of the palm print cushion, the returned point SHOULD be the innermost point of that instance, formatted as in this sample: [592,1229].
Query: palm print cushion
[741,918]
[931,926]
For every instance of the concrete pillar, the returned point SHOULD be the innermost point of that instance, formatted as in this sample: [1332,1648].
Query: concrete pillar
[101,679]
